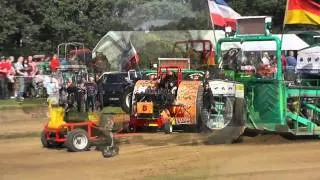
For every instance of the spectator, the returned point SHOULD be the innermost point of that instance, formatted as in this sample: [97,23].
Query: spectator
[10,76]
[291,60]
[265,59]
[54,63]
[92,91]
[20,72]
[33,66]
[52,87]
[64,61]
[273,60]
[3,79]
[44,65]
[283,61]
[28,79]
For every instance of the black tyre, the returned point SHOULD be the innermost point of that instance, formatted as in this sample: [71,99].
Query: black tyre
[48,144]
[110,151]
[234,120]
[44,141]
[198,127]
[125,101]
[168,128]
[77,140]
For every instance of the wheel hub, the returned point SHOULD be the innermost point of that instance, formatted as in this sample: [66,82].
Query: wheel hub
[80,142]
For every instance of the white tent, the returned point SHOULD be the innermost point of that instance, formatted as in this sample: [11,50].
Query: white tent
[309,59]
[290,42]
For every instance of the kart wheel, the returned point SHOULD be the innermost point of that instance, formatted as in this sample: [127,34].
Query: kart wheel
[78,140]
[44,141]
[110,151]
[48,144]
[168,128]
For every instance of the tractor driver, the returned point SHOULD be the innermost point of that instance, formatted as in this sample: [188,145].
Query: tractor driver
[208,99]
[169,81]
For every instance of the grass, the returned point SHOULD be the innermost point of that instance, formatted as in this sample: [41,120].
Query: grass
[8,104]
[113,110]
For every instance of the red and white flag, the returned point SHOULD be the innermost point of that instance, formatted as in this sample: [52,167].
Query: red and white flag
[131,58]
[222,15]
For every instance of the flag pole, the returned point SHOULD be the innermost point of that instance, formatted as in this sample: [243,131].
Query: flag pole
[284,24]
[282,31]
[213,27]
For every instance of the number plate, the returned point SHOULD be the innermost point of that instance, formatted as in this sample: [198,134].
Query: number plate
[144,107]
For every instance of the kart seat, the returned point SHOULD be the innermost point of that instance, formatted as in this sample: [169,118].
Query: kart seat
[56,117]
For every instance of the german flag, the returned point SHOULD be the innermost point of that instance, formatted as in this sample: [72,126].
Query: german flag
[303,12]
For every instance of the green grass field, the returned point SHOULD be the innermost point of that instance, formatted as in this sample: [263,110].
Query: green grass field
[12,103]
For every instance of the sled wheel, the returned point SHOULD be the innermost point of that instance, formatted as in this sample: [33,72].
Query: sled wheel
[78,140]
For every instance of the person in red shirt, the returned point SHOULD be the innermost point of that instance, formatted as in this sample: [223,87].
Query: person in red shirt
[3,79]
[54,63]
[283,61]
[33,65]
[10,76]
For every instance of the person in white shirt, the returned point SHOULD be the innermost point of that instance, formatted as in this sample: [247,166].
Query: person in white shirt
[265,59]
[52,86]
[21,75]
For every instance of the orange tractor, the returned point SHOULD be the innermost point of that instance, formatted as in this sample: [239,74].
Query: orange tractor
[168,101]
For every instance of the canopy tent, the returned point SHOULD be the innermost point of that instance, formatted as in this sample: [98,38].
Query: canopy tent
[289,42]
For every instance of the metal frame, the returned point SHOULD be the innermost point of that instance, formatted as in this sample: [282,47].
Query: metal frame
[74,44]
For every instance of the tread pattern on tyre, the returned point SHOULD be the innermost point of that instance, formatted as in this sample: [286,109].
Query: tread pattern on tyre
[233,131]
[69,141]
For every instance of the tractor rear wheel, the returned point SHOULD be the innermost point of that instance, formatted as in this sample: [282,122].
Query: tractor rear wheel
[199,109]
[125,100]
[228,126]
[78,140]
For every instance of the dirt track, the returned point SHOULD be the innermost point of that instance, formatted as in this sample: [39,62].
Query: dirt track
[158,156]
[154,156]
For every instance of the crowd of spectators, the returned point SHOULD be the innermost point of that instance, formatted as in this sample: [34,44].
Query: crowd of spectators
[17,75]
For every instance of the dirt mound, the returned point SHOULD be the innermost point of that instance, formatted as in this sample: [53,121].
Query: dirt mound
[266,139]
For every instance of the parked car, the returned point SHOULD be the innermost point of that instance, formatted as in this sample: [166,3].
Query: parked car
[118,87]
